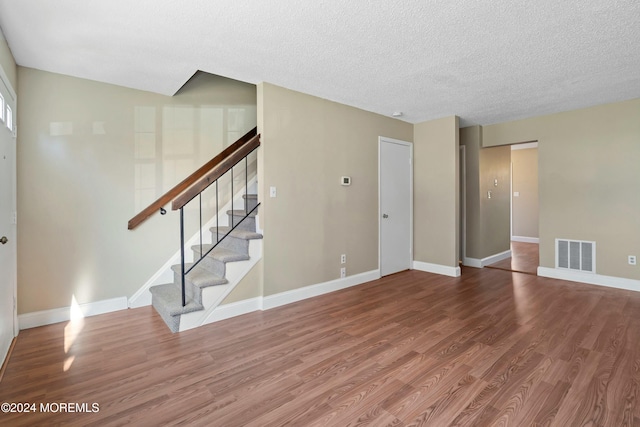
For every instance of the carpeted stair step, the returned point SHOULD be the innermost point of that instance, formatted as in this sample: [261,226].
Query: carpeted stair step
[167,300]
[250,201]
[217,258]
[210,271]
[237,240]
[249,223]
[196,280]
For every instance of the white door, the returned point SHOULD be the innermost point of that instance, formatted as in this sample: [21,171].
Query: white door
[7,226]
[396,199]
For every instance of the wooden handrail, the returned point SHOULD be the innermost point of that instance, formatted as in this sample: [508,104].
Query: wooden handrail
[215,173]
[191,179]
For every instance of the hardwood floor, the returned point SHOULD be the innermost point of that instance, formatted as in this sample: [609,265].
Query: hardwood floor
[488,348]
[524,259]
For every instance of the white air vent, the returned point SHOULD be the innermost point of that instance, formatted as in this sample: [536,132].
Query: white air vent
[576,255]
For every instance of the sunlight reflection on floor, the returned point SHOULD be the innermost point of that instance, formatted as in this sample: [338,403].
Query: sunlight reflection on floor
[522,296]
[71,332]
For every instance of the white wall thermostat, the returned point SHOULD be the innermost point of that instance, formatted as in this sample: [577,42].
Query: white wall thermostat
[345,180]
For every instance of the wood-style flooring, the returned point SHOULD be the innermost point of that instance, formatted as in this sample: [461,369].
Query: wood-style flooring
[524,259]
[488,348]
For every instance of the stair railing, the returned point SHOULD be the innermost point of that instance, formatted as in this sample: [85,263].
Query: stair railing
[193,186]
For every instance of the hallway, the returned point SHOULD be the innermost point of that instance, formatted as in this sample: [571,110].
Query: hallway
[524,259]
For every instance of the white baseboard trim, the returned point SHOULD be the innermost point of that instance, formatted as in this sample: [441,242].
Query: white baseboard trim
[445,270]
[56,315]
[234,309]
[222,312]
[591,279]
[495,258]
[480,263]
[239,308]
[523,239]
[472,262]
[311,291]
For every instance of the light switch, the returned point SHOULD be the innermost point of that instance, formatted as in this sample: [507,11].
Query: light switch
[516,194]
[272,191]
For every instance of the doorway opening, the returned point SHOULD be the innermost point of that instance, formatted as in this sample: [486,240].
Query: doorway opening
[524,218]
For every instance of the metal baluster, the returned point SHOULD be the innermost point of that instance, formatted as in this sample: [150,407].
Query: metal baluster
[184,299]
[246,185]
[217,215]
[200,196]
[232,217]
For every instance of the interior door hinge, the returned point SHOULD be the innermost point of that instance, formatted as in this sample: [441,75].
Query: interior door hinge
[14,218]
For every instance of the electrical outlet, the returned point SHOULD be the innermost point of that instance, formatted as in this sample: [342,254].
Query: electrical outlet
[343,272]
[632,260]
[343,259]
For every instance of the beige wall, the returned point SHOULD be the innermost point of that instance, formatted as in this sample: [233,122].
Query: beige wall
[487,219]
[89,156]
[8,63]
[436,192]
[525,183]
[308,143]
[471,138]
[250,286]
[588,180]
[495,164]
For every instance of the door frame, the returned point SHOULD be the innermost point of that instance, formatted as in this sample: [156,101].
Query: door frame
[463,204]
[386,140]
[4,80]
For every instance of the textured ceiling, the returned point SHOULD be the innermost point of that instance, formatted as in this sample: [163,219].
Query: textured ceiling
[486,61]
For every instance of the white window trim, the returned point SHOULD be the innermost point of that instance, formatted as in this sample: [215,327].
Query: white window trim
[9,117]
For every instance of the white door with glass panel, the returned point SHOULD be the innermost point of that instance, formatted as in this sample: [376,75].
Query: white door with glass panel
[8,321]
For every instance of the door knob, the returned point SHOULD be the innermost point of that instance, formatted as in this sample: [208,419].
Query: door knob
[385,216]
[4,240]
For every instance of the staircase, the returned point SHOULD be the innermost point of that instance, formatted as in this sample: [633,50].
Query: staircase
[199,287]
[210,272]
